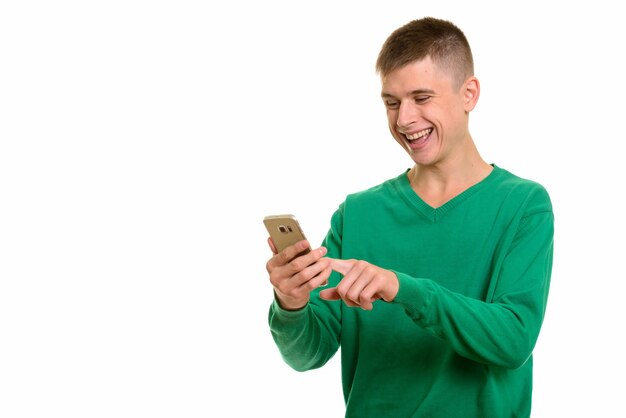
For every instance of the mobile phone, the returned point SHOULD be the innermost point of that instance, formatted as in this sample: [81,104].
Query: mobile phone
[284,230]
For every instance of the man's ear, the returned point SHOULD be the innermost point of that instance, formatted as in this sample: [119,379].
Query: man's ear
[471,92]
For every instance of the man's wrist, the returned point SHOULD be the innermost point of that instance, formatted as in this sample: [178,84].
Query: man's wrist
[286,306]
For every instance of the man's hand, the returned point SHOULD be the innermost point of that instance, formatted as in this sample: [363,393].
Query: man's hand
[362,283]
[295,277]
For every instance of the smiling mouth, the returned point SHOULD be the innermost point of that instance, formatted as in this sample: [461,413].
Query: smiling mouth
[417,136]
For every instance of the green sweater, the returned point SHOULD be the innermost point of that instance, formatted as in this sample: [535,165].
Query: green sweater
[457,340]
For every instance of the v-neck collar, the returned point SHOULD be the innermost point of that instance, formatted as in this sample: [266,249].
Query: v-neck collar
[435,214]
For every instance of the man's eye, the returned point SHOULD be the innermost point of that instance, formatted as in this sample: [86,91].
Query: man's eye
[421,99]
[391,104]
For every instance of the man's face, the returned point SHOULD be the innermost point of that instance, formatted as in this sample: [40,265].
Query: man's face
[426,115]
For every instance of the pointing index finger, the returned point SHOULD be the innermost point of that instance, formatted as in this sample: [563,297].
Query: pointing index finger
[340,266]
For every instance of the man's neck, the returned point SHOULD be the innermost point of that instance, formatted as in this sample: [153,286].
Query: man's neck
[437,184]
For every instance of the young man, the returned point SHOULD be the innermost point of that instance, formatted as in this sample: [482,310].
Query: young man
[438,278]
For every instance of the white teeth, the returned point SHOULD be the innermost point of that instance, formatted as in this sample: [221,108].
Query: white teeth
[419,134]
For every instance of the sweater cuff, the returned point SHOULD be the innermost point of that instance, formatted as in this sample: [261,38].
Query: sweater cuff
[286,315]
[414,295]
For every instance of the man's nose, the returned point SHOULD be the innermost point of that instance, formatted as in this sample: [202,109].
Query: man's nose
[407,115]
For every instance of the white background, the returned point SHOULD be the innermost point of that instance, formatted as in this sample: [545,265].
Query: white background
[142,142]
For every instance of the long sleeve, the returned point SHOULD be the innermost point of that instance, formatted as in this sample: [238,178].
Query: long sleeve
[503,330]
[309,337]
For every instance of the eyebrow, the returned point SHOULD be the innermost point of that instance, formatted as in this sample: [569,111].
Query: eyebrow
[413,93]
